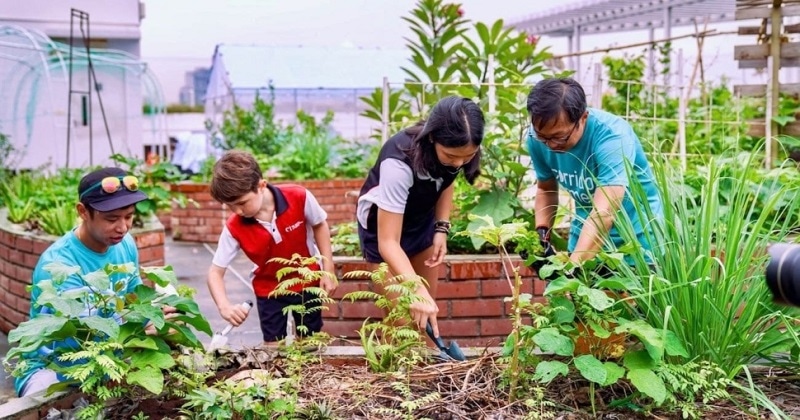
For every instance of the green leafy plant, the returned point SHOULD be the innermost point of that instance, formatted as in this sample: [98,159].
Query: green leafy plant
[298,271]
[254,129]
[312,150]
[18,211]
[345,240]
[42,202]
[587,321]
[268,397]
[398,110]
[193,368]
[394,343]
[710,291]
[308,149]
[449,56]
[17,195]
[410,402]
[316,410]
[58,220]
[108,350]
[692,380]
[438,27]
[715,120]
[499,236]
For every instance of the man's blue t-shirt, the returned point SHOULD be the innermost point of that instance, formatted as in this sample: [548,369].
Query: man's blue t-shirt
[599,159]
[70,251]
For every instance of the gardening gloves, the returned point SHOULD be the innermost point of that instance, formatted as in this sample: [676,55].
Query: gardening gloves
[548,251]
[544,241]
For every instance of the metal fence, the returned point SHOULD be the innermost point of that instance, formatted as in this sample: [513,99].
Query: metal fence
[674,120]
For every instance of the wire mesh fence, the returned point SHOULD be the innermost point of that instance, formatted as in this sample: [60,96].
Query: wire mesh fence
[673,121]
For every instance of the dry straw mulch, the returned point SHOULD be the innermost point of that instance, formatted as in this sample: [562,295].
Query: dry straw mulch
[473,390]
[467,390]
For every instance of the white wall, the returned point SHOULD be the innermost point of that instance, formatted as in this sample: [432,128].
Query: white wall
[33,100]
[39,134]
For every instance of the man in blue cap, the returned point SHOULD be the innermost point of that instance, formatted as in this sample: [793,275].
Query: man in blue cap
[106,206]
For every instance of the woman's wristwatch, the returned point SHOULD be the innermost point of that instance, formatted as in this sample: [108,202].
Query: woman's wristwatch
[442,226]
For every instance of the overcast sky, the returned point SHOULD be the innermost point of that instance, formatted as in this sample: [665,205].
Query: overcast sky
[179,35]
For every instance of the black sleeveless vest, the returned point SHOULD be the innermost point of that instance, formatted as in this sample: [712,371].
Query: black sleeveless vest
[422,196]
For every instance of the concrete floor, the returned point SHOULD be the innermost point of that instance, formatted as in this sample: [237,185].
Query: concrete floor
[191,262]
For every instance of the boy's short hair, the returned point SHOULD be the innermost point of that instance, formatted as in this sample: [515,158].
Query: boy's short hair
[235,174]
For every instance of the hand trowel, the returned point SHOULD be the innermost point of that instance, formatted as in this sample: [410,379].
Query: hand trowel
[220,339]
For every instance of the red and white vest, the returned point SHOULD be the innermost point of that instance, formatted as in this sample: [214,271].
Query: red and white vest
[259,246]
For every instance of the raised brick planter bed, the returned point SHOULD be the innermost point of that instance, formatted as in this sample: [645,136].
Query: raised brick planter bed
[20,250]
[470,298]
[471,287]
[204,222]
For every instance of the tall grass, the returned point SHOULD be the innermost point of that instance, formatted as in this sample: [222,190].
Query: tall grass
[707,285]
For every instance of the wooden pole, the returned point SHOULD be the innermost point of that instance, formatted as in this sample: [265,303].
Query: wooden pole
[774,85]
[385,111]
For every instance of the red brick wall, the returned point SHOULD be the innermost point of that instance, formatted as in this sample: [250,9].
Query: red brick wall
[470,297]
[337,197]
[165,217]
[19,252]
[204,222]
[202,218]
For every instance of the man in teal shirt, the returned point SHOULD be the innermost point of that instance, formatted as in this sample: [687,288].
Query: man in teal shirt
[589,153]
[106,206]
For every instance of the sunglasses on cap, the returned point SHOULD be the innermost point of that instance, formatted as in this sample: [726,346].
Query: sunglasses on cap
[112,184]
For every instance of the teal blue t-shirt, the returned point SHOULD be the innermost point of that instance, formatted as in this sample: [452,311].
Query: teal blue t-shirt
[70,251]
[599,159]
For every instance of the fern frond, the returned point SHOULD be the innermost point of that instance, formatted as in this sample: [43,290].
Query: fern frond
[428,399]
[402,388]
[290,283]
[294,308]
[362,295]
[407,334]
[357,275]
[281,261]
[399,290]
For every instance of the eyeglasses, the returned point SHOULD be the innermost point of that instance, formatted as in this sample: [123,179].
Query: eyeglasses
[112,184]
[558,142]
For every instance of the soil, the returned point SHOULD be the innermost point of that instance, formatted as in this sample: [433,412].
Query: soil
[471,390]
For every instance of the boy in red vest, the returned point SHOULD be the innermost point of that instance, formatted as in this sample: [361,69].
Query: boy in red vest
[269,221]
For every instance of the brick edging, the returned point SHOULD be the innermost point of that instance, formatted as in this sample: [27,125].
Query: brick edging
[470,296]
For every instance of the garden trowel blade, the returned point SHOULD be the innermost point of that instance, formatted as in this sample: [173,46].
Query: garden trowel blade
[453,352]
[220,339]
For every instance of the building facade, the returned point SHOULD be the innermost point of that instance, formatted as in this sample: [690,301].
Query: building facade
[54,120]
